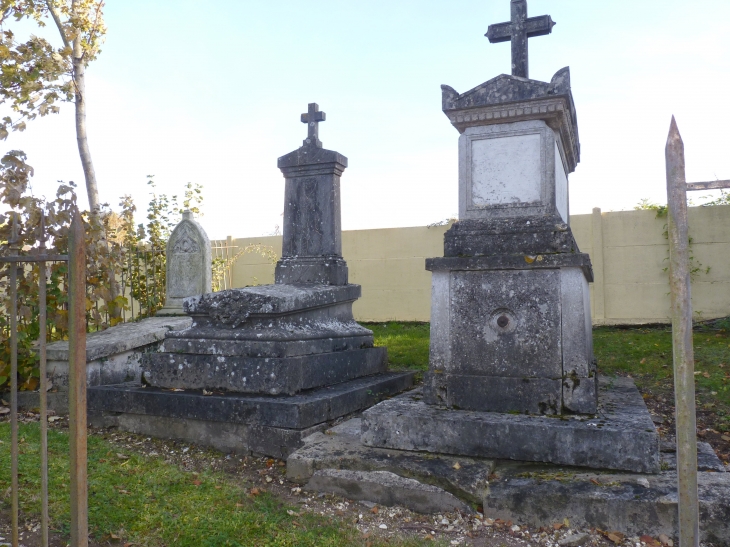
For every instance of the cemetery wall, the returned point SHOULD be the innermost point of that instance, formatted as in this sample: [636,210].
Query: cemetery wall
[628,249]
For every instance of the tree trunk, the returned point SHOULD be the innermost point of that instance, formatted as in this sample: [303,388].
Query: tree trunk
[79,76]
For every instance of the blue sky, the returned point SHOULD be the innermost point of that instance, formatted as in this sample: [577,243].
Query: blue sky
[211,92]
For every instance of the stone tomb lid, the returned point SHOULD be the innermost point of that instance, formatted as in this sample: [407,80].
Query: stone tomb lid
[235,306]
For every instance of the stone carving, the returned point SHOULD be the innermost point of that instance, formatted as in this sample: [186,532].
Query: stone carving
[186,241]
[188,265]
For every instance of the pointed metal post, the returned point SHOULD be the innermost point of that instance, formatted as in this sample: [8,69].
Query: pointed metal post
[77,382]
[42,319]
[14,246]
[684,384]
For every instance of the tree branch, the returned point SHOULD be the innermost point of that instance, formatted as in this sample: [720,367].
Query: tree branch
[57,20]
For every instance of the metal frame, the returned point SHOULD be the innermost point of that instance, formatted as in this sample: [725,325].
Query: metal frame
[77,377]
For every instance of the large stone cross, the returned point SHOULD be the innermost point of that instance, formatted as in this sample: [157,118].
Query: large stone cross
[312,117]
[519,29]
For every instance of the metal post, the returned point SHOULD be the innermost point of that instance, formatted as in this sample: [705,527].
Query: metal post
[684,386]
[43,385]
[77,382]
[13,246]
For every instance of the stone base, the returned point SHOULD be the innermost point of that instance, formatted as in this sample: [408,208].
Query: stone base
[273,376]
[320,270]
[525,493]
[268,425]
[621,436]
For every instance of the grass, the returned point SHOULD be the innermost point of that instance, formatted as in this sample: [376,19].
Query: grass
[148,502]
[407,343]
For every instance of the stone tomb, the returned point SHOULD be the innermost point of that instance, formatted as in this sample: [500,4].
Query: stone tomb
[511,395]
[189,264]
[263,367]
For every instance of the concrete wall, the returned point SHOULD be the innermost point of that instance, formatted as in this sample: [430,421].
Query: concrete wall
[628,250]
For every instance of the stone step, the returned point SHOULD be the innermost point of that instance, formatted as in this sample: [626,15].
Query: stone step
[270,425]
[261,375]
[621,436]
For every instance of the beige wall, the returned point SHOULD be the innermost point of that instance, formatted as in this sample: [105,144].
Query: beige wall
[631,284]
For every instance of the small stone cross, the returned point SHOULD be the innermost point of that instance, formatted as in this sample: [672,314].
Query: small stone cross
[312,117]
[518,30]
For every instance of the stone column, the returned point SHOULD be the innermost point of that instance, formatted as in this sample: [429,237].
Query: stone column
[312,242]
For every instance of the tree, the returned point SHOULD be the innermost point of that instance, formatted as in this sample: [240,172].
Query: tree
[35,76]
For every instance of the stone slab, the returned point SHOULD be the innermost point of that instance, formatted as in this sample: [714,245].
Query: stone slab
[272,376]
[629,503]
[284,345]
[295,412]
[227,437]
[621,436]
[385,488]
[532,493]
[234,307]
[513,262]
[707,460]
[121,338]
[509,236]
[340,448]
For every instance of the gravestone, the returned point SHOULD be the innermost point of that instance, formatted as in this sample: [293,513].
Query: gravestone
[263,367]
[189,264]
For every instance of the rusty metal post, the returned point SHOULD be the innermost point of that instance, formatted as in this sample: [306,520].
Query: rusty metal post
[14,246]
[43,384]
[684,385]
[77,382]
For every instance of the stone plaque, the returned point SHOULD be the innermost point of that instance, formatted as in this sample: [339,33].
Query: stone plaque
[506,170]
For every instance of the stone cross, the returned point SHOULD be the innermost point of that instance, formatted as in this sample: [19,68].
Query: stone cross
[312,117]
[518,30]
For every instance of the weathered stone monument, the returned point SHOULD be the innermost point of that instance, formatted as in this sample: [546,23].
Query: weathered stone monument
[512,394]
[189,264]
[263,367]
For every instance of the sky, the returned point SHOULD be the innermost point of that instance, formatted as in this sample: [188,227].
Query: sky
[211,93]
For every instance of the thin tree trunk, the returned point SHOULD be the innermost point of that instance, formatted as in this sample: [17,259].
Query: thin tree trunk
[79,75]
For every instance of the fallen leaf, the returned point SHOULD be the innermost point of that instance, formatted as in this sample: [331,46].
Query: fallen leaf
[4,410]
[4,402]
[102,460]
[616,537]
[566,523]
[650,541]
[197,482]
[122,456]
[130,544]
[643,361]
[206,392]
[374,510]
[457,466]
[292,513]
[557,526]
[268,479]
[113,535]
[706,374]
[664,539]
[54,418]
[594,481]
[239,505]
[725,438]
[218,487]
[254,491]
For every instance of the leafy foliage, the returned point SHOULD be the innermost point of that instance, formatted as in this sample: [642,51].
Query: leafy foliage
[125,264]
[34,75]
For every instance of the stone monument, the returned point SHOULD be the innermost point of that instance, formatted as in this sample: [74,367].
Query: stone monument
[274,362]
[511,339]
[189,264]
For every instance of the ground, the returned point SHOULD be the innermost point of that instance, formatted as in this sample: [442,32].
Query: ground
[148,492]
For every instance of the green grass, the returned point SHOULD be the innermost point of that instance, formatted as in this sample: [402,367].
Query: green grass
[407,343]
[149,502]
[646,354]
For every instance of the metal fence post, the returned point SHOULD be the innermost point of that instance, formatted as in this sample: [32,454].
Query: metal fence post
[13,246]
[77,382]
[43,387]
[684,384]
